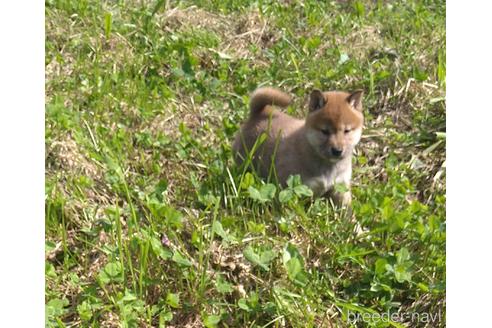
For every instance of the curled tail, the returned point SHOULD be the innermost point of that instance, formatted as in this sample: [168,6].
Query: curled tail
[267,96]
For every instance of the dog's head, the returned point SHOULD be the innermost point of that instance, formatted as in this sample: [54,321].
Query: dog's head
[334,123]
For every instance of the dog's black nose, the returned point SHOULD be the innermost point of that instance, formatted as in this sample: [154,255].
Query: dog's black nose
[336,151]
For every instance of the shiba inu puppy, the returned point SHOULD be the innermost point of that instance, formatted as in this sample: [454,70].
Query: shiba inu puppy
[319,148]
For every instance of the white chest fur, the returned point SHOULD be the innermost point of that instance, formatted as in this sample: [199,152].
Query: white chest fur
[325,180]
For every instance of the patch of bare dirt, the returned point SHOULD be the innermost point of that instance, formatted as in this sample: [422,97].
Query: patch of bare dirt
[181,112]
[64,161]
[237,33]
[110,320]
[64,155]
[186,321]
[363,42]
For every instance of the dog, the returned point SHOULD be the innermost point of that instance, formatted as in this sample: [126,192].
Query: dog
[319,148]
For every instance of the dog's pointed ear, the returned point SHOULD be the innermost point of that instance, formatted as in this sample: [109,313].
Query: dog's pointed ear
[355,99]
[316,100]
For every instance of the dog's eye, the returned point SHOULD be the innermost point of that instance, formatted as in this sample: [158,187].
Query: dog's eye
[325,131]
[346,131]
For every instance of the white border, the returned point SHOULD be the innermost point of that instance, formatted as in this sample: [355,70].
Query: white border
[469,165]
[22,163]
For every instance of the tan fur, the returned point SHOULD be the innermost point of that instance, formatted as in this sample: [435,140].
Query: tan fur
[294,146]
[267,96]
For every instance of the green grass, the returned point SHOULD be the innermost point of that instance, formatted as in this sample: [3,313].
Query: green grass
[148,221]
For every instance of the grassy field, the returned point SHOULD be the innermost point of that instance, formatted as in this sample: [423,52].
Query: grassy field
[150,224]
